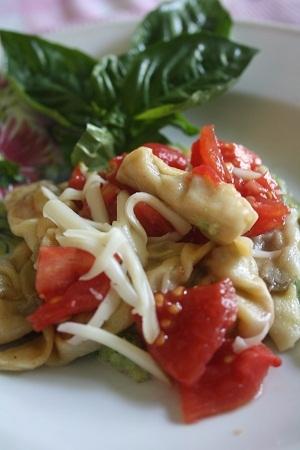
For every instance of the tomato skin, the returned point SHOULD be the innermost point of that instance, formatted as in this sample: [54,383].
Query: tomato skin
[206,151]
[151,220]
[77,299]
[58,268]
[78,179]
[208,173]
[230,380]
[193,333]
[169,155]
[114,165]
[110,193]
[271,216]
[239,156]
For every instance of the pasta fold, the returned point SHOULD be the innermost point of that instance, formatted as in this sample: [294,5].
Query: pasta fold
[255,304]
[285,330]
[192,197]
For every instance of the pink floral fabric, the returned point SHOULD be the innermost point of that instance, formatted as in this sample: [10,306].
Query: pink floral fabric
[47,15]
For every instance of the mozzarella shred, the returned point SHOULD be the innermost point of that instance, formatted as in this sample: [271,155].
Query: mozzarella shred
[180,224]
[71,194]
[135,354]
[134,289]
[94,198]
[63,216]
[104,311]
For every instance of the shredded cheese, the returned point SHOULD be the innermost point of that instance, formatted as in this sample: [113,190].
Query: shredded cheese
[245,174]
[180,224]
[136,291]
[63,216]
[104,311]
[135,354]
[71,194]
[94,198]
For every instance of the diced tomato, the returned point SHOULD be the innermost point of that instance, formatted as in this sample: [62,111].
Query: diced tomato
[85,211]
[58,268]
[230,380]
[81,296]
[114,165]
[78,179]
[151,220]
[194,322]
[208,173]
[239,156]
[110,193]
[271,215]
[262,188]
[169,155]
[206,151]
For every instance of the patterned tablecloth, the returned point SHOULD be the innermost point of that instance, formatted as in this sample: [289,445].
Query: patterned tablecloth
[46,15]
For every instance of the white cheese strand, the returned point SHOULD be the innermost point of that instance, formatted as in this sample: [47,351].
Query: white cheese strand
[71,194]
[137,241]
[63,216]
[104,262]
[104,311]
[180,225]
[245,174]
[135,354]
[240,344]
[48,193]
[94,198]
[104,246]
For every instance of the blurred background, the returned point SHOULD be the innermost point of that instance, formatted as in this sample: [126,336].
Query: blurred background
[40,16]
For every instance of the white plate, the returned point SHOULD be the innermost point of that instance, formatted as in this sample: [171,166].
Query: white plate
[88,405]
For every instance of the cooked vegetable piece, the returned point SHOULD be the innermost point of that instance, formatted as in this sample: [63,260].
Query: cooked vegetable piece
[123,364]
[193,197]
[193,323]
[229,381]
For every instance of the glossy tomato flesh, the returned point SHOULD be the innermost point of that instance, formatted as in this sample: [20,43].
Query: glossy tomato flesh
[194,322]
[230,380]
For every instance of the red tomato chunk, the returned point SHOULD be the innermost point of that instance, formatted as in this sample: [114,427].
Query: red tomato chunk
[169,155]
[194,322]
[58,284]
[230,380]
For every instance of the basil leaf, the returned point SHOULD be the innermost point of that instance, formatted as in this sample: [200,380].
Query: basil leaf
[95,147]
[177,17]
[53,79]
[186,71]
